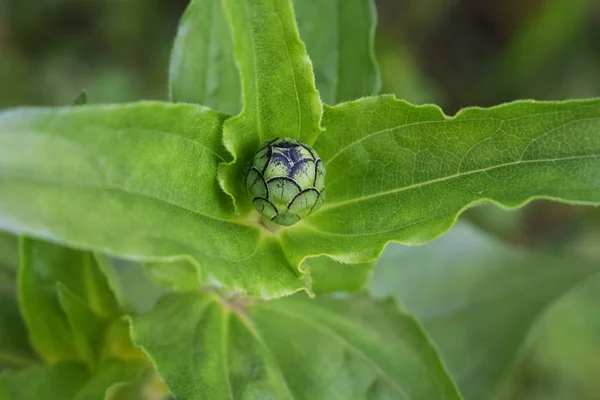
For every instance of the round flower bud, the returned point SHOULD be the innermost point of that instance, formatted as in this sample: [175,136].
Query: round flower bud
[286,181]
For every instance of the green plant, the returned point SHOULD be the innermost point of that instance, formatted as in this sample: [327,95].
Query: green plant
[164,186]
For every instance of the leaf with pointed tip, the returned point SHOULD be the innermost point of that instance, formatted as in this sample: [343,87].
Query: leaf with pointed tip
[279,94]
[477,298]
[202,68]
[328,348]
[68,307]
[398,172]
[339,36]
[43,266]
[87,328]
[65,381]
[138,181]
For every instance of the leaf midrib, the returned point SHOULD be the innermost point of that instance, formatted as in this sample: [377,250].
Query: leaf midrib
[79,185]
[342,340]
[454,176]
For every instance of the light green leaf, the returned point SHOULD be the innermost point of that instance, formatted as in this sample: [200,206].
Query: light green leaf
[131,285]
[138,181]
[398,172]
[42,266]
[202,66]
[328,348]
[180,275]
[65,381]
[279,94]
[339,36]
[329,275]
[477,298]
[86,327]
[65,301]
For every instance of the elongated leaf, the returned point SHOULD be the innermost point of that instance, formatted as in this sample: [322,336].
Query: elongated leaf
[65,381]
[279,94]
[64,324]
[329,348]
[397,172]
[202,66]
[86,327]
[339,36]
[477,298]
[138,181]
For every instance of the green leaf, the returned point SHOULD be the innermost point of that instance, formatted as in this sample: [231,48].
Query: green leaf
[329,275]
[86,327]
[202,68]
[398,172]
[339,39]
[138,181]
[180,275]
[339,36]
[65,381]
[131,285]
[9,256]
[15,350]
[328,348]
[64,324]
[477,298]
[279,94]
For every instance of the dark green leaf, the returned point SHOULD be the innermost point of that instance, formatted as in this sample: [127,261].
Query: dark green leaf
[279,94]
[339,37]
[398,172]
[328,348]
[15,351]
[202,66]
[477,298]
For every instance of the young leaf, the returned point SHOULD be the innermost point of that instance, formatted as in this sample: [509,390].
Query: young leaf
[279,94]
[138,181]
[398,172]
[65,381]
[202,68]
[477,298]
[339,37]
[65,301]
[86,327]
[328,348]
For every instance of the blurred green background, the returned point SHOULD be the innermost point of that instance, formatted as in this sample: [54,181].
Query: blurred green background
[454,53]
